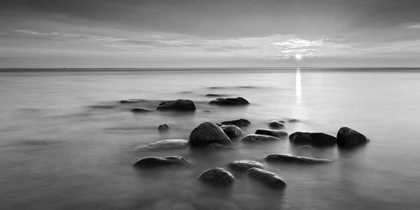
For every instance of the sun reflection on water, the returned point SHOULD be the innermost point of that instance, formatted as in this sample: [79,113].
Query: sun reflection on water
[298,86]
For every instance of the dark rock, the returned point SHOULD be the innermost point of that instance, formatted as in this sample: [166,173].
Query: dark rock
[244,165]
[314,139]
[215,95]
[268,178]
[275,133]
[276,124]
[239,123]
[217,177]
[154,162]
[164,127]
[283,158]
[131,101]
[167,144]
[140,110]
[208,133]
[347,137]
[230,101]
[293,120]
[232,131]
[177,105]
[258,138]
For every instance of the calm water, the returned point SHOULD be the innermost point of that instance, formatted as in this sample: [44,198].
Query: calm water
[66,143]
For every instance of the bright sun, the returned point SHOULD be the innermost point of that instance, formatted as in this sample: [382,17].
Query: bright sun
[298,57]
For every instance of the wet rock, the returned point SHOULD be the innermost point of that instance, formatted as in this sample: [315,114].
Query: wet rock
[140,110]
[167,144]
[244,165]
[267,178]
[347,137]
[155,162]
[275,124]
[177,105]
[208,133]
[164,127]
[239,123]
[215,95]
[217,177]
[284,158]
[230,101]
[275,133]
[258,138]
[314,139]
[232,131]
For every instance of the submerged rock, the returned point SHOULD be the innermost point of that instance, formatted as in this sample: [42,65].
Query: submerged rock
[232,131]
[230,101]
[177,105]
[127,101]
[347,137]
[215,95]
[167,144]
[293,120]
[267,178]
[244,165]
[258,138]
[283,158]
[275,133]
[217,177]
[164,127]
[314,139]
[276,124]
[208,133]
[140,110]
[239,122]
[154,162]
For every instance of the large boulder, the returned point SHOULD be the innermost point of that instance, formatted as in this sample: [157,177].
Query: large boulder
[275,124]
[275,133]
[267,178]
[177,105]
[230,101]
[258,138]
[232,131]
[167,144]
[217,177]
[208,133]
[239,122]
[244,165]
[347,137]
[155,162]
[314,139]
[283,158]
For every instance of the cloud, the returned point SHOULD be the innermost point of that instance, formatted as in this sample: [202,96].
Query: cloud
[415,26]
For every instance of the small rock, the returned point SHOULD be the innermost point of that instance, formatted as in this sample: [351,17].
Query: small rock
[230,101]
[232,131]
[154,162]
[215,95]
[268,178]
[283,158]
[217,177]
[140,110]
[208,133]
[275,133]
[239,123]
[258,138]
[244,165]
[347,137]
[164,127]
[177,105]
[131,101]
[314,139]
[164,145]
[276,124]
[293,120]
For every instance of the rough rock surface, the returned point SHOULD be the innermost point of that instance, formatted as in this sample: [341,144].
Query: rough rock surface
[154,162]
[275,133]
[217,177]
[258,138]
[166,144]
[347,137]
[232,131]
[208,133]
[230,101]
[314,139]
[239,122]
[244,165]
[177,105]
[284,158]
[265,177]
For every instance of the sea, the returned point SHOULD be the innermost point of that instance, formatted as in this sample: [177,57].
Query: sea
[66,141]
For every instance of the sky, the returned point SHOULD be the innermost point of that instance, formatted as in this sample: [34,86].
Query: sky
[209,33]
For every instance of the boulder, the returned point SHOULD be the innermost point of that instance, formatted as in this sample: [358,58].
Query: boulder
[164,127]
[275,133]
[258,138]
[177,105]
[347,137]
[155,162]
[217,177]
[267,178]
[284,158]
[230,101]
[232,131]
[167,144]
[244,165]
[275,124]
[314,139]
[239,123]
[140,110]
[208,133]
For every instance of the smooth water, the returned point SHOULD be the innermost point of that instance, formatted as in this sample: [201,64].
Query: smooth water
[66,142]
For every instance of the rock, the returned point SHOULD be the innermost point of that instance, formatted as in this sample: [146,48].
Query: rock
[268,178]
[244,165]
[131,101]
[283,158]
[208,133]
[215,95]
[347,137]
[164,127]
[232,131]
[217,177]
[293,120]
[275,133]
[258,138]
[276,124]
[230,101]
[140,110]
[154,162]
[314,139]
[167,144]
[239,123]
[177,105]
